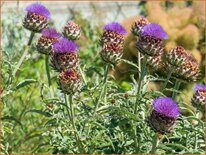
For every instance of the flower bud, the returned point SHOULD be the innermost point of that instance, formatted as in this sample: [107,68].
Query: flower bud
[177,56]
[69,81]
[137,26]
[199,97]
[189,70]
[72,31]
[111,52]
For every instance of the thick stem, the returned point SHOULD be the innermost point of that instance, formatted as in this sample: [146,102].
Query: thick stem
[31,38]
[155,143]
[82,74]
[136,144]
[103,88]
[142,72]
[48,75]
[142,75]
[167,80]
[196,142]
[106,73]
[47,69]
[26,51]
[139,64]
[101,93]
[66,103]
[176,87]
[72,119]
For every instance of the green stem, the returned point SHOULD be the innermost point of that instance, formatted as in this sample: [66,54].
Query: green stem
[66,102]
[101,93]
[103,88]
[72,119]
[136,144]
[48,75]
[176,87]
[31,38]
[47,70]
[26,51]
[196,142]
[139,64]
[155,143]
[82,74]
[142,75]
[167,80]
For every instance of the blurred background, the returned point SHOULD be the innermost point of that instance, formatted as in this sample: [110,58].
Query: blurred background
[184,21]
[96,12]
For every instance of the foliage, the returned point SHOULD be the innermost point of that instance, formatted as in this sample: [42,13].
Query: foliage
[34,121]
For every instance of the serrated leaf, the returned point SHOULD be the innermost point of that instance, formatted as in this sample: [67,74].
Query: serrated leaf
[172,90]
[12,118]
[47,114]
[195,118]
[25,83]
[54,101]
[8,130]
[162,146]
[187,110]
[121,110]
[49,100]
[131,63]
[93,69]
[180,146]
[154,93]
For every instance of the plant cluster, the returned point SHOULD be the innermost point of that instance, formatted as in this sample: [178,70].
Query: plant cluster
[94,114]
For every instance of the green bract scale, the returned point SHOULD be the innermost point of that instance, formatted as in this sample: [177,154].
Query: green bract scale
[69,81]
[72,31]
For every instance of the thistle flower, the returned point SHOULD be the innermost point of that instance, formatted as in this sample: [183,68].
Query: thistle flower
[113,33]
[199,97]
[154,30]
[48,38]
[189,70]
[37,17]
[69,81]
[137,26]
[151,39]
[177,56]
[72,31]
[65,55]
[164,114]
[111,52]
[199,87]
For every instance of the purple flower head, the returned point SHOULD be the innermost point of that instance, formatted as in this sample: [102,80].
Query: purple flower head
[154,30]
[116,27]
[39,9]
[199,87]
[51,33]
[142,16]
[65,45]
[166,106]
